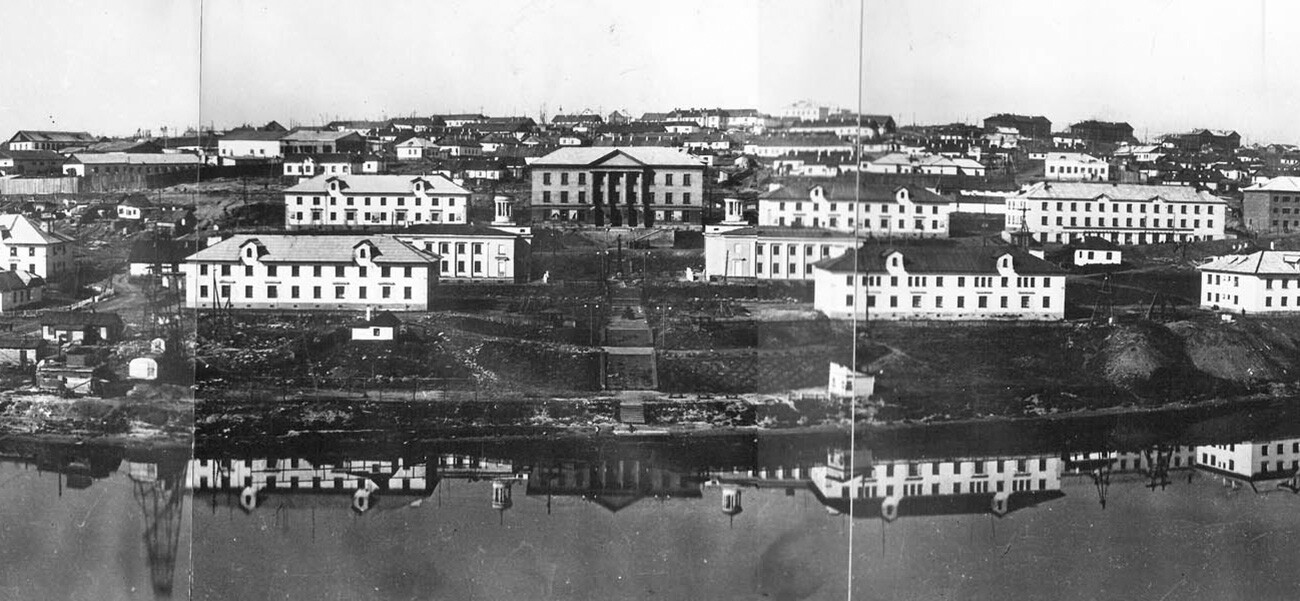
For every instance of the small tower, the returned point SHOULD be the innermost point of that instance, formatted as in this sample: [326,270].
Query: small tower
[501,494]
[731,501]
[733,212]
[503,215]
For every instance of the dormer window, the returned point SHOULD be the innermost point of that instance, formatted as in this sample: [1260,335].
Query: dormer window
[1005,262]
[895,261]
[902,195]
[363,252]
[818,193]
[248,252]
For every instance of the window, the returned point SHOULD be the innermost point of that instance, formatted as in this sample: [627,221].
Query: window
[339,291]
[248,292]
[293,292]
[983,302]
[272,292]
[406,293]
[686,181]
[668,179]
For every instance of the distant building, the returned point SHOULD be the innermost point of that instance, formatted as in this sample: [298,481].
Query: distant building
[128,168]
[939,283]
[619,186]
[19,289]
[27,139]
[844,381]
[1037,127]
[775,146]
[249,144]
[1214,139]
[1272,206]
[382,327]
[805,110]
[1103,131]
[87,327]
[848,126]
[474,252]
[159,257]
[22,351]
[310,271]
[359,201]
[309,165]
[1264,281]
[1121,213]
[315,141]
[415,148]
[926,164]
[30,162]
[580,122]
[1074,166]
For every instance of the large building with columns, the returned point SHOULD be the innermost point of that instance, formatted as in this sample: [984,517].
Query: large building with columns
[618,186]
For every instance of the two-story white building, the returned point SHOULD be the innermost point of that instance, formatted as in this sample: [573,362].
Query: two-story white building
[896,488]
[939,283]
[304,166]
[310,271]
[371,201]
[1265,281]
[249,144]
[872,210]
[1075,166]
[415,148]
[1252,460]
[28,246]
[1065,212]
[473,253]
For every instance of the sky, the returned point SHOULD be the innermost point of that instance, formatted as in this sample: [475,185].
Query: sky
[1163,66]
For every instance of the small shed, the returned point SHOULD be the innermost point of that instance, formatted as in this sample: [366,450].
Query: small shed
[22,351]
[844,381]
[81,326]
[382,327]
[1095,251]
[143,368]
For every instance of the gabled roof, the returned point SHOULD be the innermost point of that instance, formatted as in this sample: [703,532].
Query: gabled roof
[1277,184]
[19,280]
[316,135]
[1094,243]
[377,184]
[1264,262]
[133,158]
[651,156]
[37,135]
[937,259]
[20,229]
[160,250]
[841,190]
[81,318]
[1116,192]
[385,319]
[313,248]
[32,155]
[251,135]
[454,229]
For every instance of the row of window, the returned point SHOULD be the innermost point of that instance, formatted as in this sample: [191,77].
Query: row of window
[917,224]
[1127,207]
[917,490]
[582,197]
[1128,222]
[875,281]
[376,217]
[866,207]
[981,301]
[914,470]
[383,201]
[1215,297]
[31,251]
[582,178]
[273,292]
[1075,169]
[340,271]
[475,248]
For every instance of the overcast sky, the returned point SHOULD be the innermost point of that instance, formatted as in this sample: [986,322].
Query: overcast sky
[1162,66]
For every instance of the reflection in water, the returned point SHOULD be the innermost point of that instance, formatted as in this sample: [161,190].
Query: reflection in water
[155,479]
[727,519]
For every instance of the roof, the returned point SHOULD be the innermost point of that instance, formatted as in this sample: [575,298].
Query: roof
[21,229]
[38,135]
[251,135]
[1117,192]
[377,184]
[313,248]
[454,229]
[385,319]
[21,342]
[160,251]
[1277,184]
[1264,262]
[1094,243]
[81,318]
[325,157]
[316,135]
[32,155]
[14,280]
[577,119]
[134,158]
[798,141]
[775,231]
[934,259]
[841,189]
[646,155]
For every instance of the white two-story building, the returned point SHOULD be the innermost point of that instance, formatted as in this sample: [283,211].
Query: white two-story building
[873,210]
[28,246]
[1075,166]
[316,271]
[1265,281]
[373,201]
[1064,212]
[939,283]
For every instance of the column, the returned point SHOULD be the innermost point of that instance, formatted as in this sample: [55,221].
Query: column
[643,185]
[597,203]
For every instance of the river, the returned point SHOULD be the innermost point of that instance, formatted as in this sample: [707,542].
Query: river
[738,516]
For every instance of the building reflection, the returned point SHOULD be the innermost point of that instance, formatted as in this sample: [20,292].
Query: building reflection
[1261,466]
